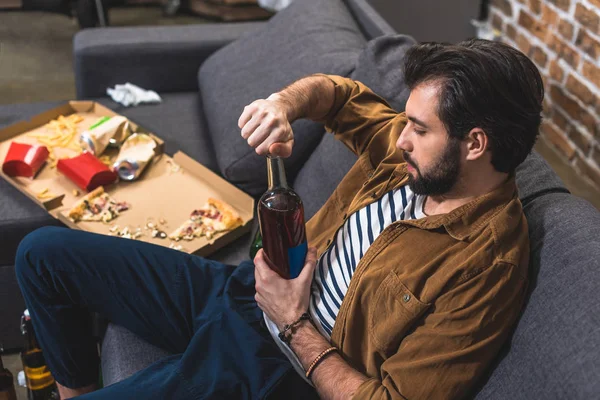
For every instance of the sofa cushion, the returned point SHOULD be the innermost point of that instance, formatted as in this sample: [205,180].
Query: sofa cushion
[307,37]
[535,178]
[555,350]
[117,342]
[379,66]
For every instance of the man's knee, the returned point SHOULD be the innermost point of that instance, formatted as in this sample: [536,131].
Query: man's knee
[38,245]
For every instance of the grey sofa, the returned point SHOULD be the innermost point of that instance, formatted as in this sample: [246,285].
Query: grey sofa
[206,74]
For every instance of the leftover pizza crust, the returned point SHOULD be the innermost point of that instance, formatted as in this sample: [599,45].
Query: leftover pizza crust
[97,206]
[216,216]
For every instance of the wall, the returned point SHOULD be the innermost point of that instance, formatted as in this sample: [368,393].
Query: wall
[563,38]
[430,20]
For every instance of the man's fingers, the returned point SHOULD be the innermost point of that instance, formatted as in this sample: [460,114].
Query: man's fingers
[277,136]
[246,116]
[250,127]
[283,150]
[309,264]
[260,264]
[259,136]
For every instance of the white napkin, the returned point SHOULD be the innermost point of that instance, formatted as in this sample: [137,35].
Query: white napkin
[274,5]
[132,95]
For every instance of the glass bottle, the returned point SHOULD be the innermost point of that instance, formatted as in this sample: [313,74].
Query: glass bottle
[7,384]
[256,244]
[40,382]
[282,227]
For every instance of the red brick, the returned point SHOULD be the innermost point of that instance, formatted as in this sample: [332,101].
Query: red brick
[586,17]
[556,71]
[595,3]
[596,154]
[592,172]
[577,88]
[573,109]
[561,121]
[562,4]
[511,32]
[557,139]
[523,43]
[581,140]
[549,16]
[563,50]
[535,6]
[566,29]
[547,109]
[504,6]
[545,83]
[587,43]
[534,26]
[591,72]
[538,56]
[497,22]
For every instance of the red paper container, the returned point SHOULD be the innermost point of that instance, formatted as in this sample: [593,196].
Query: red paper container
[86,171]
[24,159]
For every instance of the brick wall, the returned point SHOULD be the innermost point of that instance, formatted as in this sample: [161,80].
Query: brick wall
[562,37]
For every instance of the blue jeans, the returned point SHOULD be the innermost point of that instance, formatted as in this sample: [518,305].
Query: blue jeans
[202,311]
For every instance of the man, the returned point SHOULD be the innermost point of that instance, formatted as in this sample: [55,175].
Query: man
[415,276]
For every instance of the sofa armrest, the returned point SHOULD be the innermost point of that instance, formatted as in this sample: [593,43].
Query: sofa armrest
[165,59]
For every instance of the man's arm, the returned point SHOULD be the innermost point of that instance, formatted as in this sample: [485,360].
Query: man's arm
[347,107]
[265,124]
[284,300]
[333,377]
[312,97]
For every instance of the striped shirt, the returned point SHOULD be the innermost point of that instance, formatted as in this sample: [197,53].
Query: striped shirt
[337,264]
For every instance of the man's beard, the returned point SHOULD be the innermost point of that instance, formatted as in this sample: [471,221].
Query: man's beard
[441,177]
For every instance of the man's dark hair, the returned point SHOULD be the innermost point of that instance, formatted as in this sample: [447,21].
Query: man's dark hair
[484,84]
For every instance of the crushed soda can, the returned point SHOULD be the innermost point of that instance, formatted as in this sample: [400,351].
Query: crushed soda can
[136,153]
[105,131]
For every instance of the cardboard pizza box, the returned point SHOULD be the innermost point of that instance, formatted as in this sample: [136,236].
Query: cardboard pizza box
[169,189]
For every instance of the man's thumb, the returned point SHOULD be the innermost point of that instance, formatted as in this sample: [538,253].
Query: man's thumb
[309,264]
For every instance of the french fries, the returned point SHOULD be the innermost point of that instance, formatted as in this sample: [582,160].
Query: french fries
[45,194]
[63,134]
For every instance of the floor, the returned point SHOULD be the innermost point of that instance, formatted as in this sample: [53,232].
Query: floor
[13,363]
[36,62]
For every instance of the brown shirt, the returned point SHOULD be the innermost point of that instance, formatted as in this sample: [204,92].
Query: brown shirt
[432,300]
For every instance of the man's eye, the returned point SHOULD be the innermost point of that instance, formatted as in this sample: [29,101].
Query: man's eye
[419,132]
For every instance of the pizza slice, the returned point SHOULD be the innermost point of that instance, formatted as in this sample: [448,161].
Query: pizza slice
[189,230]
[216,216]
[97,206]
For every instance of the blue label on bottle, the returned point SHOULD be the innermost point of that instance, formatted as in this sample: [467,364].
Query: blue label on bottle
[296,257]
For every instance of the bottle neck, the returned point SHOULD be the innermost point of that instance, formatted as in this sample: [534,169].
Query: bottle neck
[28,332]
[276,172]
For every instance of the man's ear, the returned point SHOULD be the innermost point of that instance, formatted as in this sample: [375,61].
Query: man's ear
[477,144]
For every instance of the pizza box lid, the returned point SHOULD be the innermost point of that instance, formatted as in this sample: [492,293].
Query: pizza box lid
[168,191]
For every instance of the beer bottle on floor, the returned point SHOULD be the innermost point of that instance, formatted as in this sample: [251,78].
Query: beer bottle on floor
[281,217]
[7,384]
[40,382]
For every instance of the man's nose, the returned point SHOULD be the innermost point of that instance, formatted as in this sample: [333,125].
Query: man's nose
[403,143]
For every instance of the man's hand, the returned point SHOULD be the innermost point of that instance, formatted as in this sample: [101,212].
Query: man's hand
[266,127]
[283,300]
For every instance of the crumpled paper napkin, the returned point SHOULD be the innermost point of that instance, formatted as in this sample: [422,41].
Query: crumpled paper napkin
[132,95]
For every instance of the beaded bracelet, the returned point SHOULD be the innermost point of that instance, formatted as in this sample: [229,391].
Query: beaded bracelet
[290,327]
[317,360]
